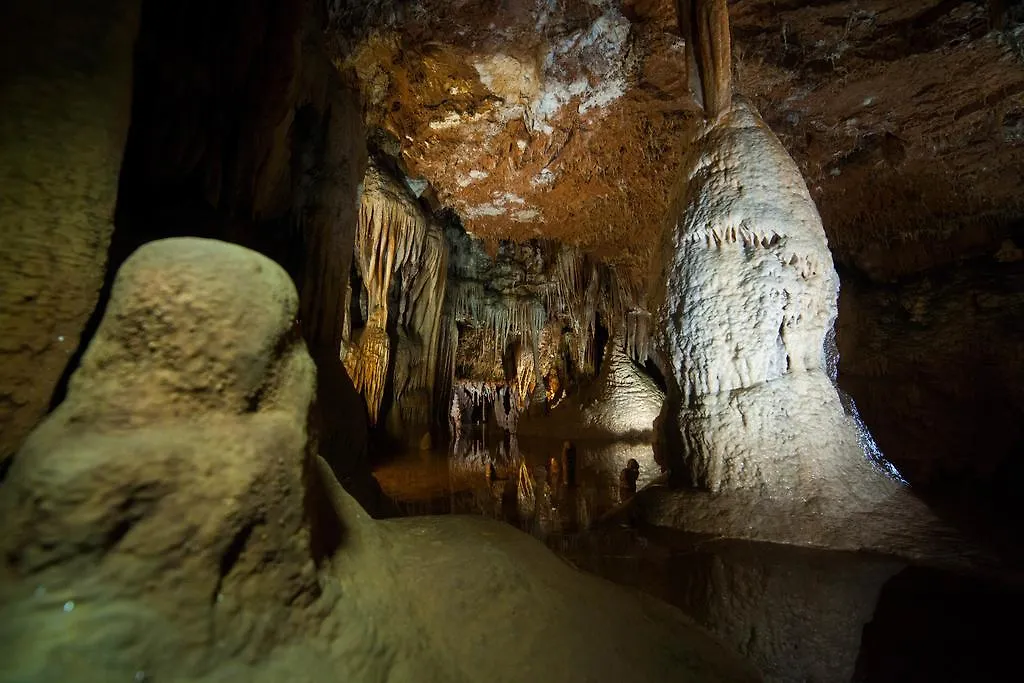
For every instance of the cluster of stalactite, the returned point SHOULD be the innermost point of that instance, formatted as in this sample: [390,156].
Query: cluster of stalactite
[526,287]
[477,402]
[531,314]
[532,317]
[586,288]
[402,263]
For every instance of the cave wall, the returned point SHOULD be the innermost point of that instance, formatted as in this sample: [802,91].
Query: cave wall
[935,364]
[244,131]
[66,88]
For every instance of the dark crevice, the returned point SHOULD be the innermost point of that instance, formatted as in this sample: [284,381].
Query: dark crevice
[5,468]
[651,369]
[232,554]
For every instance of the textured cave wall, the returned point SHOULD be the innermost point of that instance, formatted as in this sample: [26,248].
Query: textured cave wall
[65,88]
[905,117]
[936,365]
[242,130]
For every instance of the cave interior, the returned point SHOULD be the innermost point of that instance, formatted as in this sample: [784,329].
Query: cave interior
[365,340]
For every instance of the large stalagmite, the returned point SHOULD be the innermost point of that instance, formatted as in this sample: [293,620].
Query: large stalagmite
[749,304]
[750,298]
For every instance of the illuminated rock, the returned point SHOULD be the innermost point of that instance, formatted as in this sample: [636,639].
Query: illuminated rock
[750,297]
[173,471]
[397,246]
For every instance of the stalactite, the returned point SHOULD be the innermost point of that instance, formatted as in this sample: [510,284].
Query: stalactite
[367,361]
[421,304]
[705,25]
[390,233]
[444,380]
[506,317]
[528,294]
[393,237]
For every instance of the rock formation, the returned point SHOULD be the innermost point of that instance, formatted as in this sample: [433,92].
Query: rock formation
[622,402]
[172,475]
[750,298]
[167,522]
[401,255]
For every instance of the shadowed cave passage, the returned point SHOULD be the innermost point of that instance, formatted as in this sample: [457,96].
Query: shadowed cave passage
[613,339]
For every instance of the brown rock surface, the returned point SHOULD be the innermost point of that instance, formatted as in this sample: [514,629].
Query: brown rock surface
[173,471]
[65,89]
[563,120]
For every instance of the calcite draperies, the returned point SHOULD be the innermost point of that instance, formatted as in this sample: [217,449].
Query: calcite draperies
[397,245]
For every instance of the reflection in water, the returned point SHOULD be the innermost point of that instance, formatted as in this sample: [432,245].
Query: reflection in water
[800,615]
[546,487]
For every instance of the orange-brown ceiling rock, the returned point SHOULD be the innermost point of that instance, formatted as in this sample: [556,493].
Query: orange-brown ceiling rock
[534,117]
[568,119]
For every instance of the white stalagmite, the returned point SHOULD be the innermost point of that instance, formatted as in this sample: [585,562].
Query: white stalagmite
[750,294]
[621,402]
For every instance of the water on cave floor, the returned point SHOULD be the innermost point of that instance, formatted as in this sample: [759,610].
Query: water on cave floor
[801,615]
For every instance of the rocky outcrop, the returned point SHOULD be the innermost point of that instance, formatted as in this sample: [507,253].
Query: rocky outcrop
[66,87]
[167,522]
[172,474]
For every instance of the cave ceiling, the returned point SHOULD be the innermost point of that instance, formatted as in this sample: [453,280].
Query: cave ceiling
[568,119]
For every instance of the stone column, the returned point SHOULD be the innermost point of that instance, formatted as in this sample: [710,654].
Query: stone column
[65,85]
[751,294]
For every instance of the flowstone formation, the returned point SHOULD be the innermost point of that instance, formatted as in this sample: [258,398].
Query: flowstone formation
[169,522]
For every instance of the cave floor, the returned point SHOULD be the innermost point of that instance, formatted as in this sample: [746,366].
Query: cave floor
[799,614]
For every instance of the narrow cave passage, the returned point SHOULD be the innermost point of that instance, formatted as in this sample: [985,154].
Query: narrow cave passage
[357,341]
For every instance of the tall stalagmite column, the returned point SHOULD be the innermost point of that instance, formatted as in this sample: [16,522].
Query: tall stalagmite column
[750,296]
[65,98]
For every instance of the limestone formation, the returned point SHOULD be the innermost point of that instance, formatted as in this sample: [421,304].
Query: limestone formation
[397,246]
[173,472]
[66,87]
[167,522]
[622,402]
[750,297]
